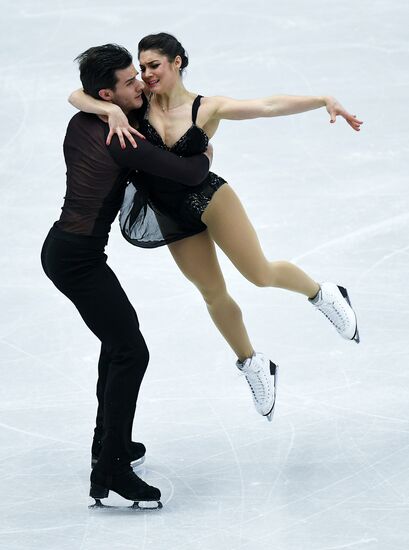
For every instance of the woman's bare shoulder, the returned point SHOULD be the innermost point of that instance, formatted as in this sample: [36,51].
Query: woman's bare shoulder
[210,103]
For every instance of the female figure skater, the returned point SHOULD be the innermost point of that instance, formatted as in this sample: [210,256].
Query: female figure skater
[190,221]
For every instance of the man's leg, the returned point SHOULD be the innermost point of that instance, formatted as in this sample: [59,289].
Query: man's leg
[77,267]
[103,366]
[137,450]
[108,313]
[79,270]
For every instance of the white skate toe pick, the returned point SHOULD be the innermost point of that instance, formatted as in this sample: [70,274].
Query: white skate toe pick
[261,376]
[333,301]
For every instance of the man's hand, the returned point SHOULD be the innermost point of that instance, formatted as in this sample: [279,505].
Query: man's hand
[119,124]
[335,109]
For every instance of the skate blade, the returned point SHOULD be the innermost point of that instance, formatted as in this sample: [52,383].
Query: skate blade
[147,505]
[141,506]
[137,463]
[274,372]
[134,464]
[270,415]
[356,338]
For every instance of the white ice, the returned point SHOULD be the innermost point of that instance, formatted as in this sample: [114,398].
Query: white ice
[331,472]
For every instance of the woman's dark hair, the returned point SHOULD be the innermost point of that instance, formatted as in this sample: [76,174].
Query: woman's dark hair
[98,66]
[167,45]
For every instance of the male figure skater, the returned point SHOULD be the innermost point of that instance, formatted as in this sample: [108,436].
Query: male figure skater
[73,258]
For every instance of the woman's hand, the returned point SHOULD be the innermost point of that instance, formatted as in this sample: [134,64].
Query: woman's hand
[335,109]
[119,124]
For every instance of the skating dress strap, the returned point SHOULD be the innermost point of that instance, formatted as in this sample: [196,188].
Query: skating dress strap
[195,108]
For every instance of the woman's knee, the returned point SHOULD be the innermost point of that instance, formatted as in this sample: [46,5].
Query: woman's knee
[212,293]
[261,277]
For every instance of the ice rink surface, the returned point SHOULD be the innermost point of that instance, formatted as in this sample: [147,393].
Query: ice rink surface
[331,471]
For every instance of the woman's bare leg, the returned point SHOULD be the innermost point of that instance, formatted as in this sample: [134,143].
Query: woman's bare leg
[197,259]
[231,229]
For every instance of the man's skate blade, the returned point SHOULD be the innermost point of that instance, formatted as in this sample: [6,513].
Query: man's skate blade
[135,464]
[147,505]
[141,506]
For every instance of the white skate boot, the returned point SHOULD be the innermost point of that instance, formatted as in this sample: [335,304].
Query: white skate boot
[333,301]
[261,375]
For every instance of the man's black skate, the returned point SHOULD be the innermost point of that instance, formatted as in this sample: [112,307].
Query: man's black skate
[138,451]
[126,484]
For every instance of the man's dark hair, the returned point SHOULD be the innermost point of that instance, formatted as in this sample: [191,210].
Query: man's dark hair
[98,66]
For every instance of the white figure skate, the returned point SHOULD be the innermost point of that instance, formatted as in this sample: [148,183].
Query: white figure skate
[333,301]
[261,375]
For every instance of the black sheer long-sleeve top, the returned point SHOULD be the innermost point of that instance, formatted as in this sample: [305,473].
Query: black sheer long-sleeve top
[97,174]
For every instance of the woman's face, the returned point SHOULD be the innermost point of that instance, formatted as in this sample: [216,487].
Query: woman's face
[158,73]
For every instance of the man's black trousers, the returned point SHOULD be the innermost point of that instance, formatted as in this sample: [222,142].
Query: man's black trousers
[77,266]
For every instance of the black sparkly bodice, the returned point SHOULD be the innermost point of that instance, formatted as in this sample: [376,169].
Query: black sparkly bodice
[193,142]
[157,211]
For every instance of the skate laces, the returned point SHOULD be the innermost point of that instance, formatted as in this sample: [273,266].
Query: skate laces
[257,388]
[339,320]
[257,381]
[335,308]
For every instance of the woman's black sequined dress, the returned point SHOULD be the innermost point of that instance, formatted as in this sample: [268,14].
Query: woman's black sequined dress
[157,211]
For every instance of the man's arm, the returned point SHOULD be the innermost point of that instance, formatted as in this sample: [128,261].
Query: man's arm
[189,171]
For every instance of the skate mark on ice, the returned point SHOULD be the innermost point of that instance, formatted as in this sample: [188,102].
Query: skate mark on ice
[307,498]
[351,544]
[369,465]
[363,413]
[41,529]
[237,461]
[381,261]
[172,487]
[363,233]
[42,362]
[40,436]
[283,462]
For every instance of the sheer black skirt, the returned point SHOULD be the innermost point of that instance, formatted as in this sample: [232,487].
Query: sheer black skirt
[156,212]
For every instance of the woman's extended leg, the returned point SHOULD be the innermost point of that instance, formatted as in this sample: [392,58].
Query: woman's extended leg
[197,259]
[232,230]
[229,226]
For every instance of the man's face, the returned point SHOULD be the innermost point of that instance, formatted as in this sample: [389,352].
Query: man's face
[128,90]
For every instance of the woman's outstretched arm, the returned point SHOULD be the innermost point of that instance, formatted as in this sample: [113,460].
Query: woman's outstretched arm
[111,113]
[219,107]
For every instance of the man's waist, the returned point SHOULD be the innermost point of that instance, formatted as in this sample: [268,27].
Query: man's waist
[62,232]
